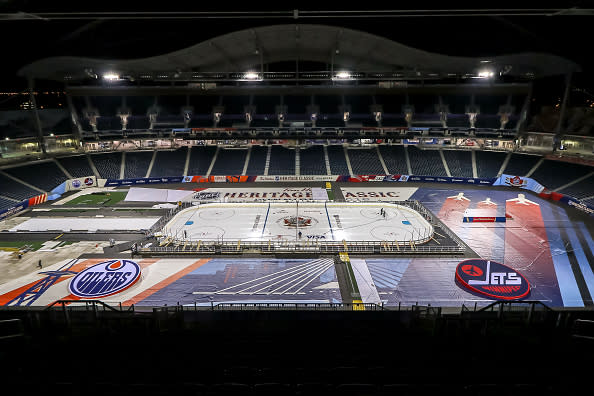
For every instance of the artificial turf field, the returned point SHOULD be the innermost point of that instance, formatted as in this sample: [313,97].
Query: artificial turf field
[108,198]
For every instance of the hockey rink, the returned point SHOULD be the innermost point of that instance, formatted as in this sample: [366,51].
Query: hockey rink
[286,221]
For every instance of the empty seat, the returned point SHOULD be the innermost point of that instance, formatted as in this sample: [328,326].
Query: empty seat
[77,166]
[44,175]
[257,162]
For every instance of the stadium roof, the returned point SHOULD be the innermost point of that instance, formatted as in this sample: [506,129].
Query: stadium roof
[247,49]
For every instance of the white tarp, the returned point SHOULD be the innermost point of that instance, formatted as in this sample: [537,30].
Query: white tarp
[156,195]
[86,224]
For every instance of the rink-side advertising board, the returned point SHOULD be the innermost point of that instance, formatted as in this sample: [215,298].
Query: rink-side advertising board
[372,193]
[257,194]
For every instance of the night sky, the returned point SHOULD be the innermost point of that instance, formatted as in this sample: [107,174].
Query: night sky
[27,41]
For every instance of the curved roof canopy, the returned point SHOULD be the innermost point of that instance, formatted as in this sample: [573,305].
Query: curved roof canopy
[245,49]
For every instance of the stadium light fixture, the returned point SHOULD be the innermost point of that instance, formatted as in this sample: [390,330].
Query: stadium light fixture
[252,76]
[486,74]
[342,75]
[111,76]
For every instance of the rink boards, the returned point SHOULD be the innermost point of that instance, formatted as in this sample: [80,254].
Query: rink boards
[285,221]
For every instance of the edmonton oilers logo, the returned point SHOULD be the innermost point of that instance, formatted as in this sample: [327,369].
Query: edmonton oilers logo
[104,279]
[492,279]
[76,183]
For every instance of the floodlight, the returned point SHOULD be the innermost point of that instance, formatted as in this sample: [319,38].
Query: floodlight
[111,76]
[251,76]
[6,138]
[486,74]
[343,75]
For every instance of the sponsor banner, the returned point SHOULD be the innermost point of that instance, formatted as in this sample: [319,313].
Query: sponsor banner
[251,194]
[377,193]
[294,178]
[492,279]
[80,183]
[446,179]
[14,210]
[519,182]
[219,179]
[574,203]
[144,180]
[36,200]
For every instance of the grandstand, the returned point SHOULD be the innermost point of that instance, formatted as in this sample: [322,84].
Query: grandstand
[251,194]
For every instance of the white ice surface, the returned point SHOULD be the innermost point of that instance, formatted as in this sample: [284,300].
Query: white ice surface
[334,221]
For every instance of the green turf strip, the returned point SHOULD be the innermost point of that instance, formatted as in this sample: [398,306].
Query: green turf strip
[98,199]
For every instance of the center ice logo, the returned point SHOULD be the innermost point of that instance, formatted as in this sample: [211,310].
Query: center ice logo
[301,221]
[105,279]
[492,279]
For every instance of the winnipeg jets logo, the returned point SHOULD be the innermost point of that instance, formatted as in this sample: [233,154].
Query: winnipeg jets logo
[492,279]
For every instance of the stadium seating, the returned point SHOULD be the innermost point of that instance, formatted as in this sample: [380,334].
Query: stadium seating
[490,121]
[45,175]
[282,161]
[488,163]
[554,174]
[458,121]
[395,159]
[459,162]
[580,190]
[312,161]
[521,164]
[108,123]
[229,162]
[425,162]
[365,161]
[200,159]
[257,162]
[138,122]
[108,165]
[169,163]
[77,166]
[15,190]
[137,163]
[338,164]
[201,121]
[394,120]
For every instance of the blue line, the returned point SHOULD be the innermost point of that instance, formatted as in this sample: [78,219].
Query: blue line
[328,216]
[266,219]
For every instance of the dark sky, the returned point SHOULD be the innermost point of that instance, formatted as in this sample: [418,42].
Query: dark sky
[26,41]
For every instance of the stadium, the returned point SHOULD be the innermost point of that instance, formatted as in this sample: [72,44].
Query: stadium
[296,208]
